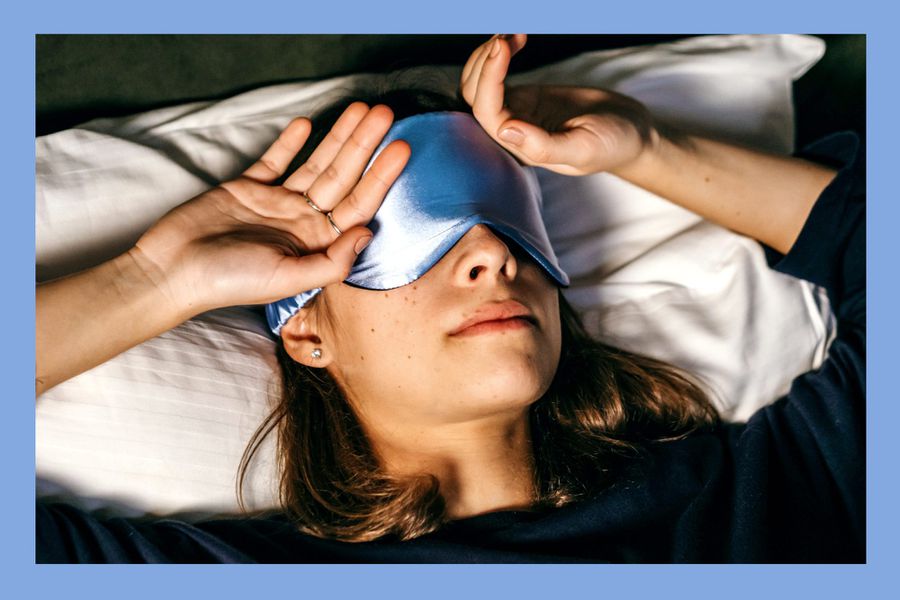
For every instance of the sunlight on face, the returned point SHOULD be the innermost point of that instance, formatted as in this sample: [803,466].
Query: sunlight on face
[400,351]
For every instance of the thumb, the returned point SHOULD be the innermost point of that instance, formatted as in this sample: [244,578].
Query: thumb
[562,152]
[299,274]
[343,251]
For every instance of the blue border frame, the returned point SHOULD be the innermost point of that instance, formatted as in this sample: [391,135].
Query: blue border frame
[465,16]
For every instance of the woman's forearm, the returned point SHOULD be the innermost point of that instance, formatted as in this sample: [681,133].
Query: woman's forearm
[233,245]
[760,195]
[87,318]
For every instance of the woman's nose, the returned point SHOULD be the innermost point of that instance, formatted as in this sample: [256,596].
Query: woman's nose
[483,256]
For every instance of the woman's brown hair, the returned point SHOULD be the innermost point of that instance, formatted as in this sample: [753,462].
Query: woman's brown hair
[602,409]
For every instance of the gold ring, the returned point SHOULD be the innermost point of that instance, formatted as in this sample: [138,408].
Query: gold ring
[312,204]
[333,224]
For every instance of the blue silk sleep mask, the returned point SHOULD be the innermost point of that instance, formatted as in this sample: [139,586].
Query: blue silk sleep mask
[456,178]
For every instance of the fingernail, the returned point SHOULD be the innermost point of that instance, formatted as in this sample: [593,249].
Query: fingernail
[495,50]
[512,135]
[361,243]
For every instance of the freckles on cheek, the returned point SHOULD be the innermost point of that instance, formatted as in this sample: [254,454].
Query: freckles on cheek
[390,328]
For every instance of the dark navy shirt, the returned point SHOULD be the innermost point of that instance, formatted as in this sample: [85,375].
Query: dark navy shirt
[787,486]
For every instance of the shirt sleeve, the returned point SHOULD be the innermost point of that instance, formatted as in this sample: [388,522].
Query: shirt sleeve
[66,534]
[801,461]
[830,250]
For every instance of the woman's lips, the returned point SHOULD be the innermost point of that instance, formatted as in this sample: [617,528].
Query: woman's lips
[497,326]
[507,315]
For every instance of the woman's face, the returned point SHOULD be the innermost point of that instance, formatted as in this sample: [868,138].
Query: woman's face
[408,351]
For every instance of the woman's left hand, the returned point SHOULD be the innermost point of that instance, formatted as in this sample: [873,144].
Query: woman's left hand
[570,130]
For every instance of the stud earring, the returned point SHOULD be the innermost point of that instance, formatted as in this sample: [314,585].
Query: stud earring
[316,353]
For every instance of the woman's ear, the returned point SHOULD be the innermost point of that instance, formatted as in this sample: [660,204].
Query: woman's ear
[302,340]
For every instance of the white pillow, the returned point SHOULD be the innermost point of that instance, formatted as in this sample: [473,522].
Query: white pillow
[161,428]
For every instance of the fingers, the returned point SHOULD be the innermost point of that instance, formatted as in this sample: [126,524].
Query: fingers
[328,149]
[516,42]
[487,104]
[338,186]
[486,93]
[342,175]
[273,163]
[473,67]
[360,205]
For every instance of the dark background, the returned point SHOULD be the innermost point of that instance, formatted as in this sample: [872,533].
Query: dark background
[80,77]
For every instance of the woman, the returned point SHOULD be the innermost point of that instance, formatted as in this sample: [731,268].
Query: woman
[450,426]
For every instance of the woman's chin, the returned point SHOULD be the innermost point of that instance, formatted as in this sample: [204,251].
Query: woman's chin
[517,373]
[499,390]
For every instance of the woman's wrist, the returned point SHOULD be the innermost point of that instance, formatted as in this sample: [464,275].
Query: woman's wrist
[143,283]
[641,169]
[168,288]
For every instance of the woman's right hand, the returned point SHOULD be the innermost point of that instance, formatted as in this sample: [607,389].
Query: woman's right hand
[250,241]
